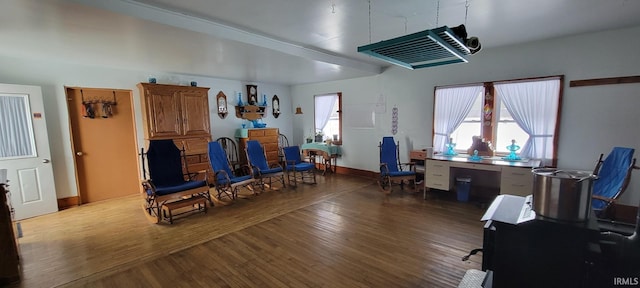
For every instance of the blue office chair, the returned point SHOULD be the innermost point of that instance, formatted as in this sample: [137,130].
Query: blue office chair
[260,167]
[391,170]
[614,174]
[226,182]
[166,180]
[294,165]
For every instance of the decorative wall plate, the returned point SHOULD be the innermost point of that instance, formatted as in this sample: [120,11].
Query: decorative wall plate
[394,120]
[221,99]
[275,106]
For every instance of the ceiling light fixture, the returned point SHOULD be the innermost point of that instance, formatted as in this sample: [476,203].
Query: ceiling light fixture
[428,48]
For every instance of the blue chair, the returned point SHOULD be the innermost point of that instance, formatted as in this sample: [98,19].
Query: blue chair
[231,149]
[260,167]
[294,165]
[166,182]
[391,170]
[614,174]
[226,182]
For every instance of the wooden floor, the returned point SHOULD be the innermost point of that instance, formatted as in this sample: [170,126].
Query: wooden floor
[342,232]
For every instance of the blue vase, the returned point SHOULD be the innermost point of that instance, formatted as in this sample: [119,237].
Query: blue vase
[240,99]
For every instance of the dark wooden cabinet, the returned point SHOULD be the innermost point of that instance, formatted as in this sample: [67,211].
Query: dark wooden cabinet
[180,113]
[10,264]
[172,111]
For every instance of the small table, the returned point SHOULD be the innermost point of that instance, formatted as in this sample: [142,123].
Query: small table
[329,154]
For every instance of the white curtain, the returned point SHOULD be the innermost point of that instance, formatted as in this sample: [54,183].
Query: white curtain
[323,108]
[452,105]
[15,128]
[534,106]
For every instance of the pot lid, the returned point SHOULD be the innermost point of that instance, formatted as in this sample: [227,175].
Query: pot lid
[564,174]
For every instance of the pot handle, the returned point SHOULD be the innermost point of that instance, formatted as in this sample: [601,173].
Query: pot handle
[592,177]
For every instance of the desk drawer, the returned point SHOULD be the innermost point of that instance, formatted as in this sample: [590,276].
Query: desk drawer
[255,133]
[516,181]
[517,173]
[477,166]
[436,175]
[436,183]
[435,165]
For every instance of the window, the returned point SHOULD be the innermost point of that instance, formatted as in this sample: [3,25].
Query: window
[470,125]
[526,111]
[507,129]
[16,131]
[327,114]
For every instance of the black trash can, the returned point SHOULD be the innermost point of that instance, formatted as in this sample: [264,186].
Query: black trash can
[463,188]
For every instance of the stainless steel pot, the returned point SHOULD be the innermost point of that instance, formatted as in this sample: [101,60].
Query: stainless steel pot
[563,195]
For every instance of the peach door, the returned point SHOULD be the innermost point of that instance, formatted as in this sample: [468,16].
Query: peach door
[105,148]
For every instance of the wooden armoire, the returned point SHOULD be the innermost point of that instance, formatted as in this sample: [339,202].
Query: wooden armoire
[180,113]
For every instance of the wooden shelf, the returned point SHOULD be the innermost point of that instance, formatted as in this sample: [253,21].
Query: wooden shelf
[251,112]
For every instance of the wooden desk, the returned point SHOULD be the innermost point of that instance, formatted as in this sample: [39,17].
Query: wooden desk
[328,154]
[514,177]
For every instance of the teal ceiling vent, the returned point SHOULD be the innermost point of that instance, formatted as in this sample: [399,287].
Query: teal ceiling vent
[439,46]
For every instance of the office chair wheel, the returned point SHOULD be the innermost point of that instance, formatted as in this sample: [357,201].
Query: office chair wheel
[385,184]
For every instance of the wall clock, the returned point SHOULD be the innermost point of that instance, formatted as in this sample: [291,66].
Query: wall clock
[252,94]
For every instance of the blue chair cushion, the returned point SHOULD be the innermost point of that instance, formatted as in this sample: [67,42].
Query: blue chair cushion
[611,175]
[304,166]
[270,171]
[165,190]
[400,173]
[234,180]
[388,154]
[165,163]
[218,160]
[256,156]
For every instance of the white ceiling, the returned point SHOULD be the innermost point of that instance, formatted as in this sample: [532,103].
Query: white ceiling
[278,41]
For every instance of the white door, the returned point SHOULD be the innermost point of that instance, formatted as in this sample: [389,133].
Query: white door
[24,151]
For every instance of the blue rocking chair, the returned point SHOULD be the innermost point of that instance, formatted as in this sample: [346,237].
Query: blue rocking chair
[260,167]
[294,165]
[166,182]
[391,170]
[614,174]
[226,182]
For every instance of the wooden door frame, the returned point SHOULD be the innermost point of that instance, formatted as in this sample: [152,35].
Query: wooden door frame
[77,200]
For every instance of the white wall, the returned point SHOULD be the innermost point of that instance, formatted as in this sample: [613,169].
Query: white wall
[52,76]
[594,118]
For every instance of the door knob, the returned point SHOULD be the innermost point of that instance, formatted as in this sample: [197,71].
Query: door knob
[79,153]
[46,160]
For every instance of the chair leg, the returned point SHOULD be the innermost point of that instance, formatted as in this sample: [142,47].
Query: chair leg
[207,195]
[284,185]
[294,178]
[385,183]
